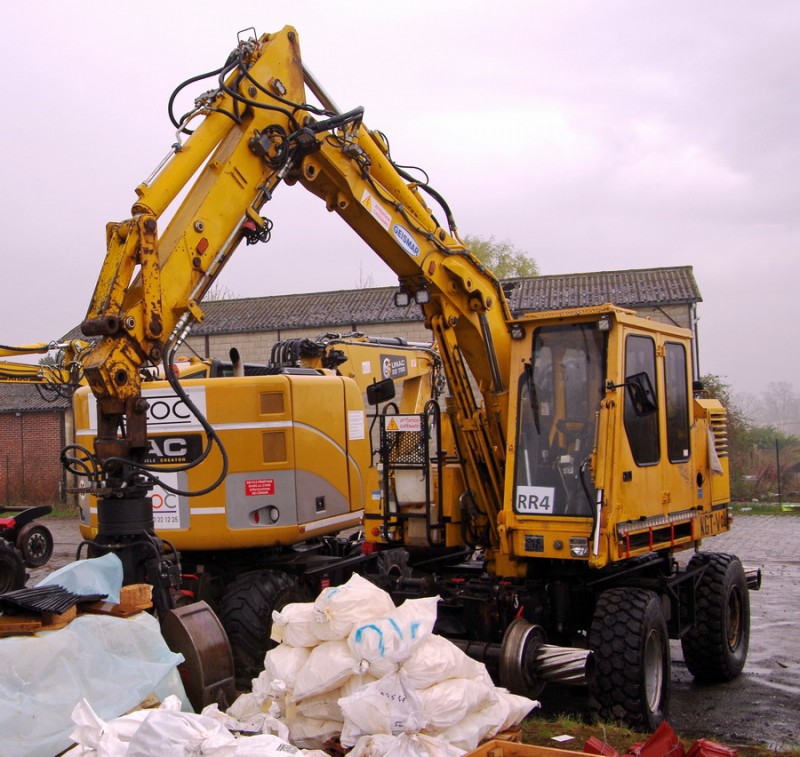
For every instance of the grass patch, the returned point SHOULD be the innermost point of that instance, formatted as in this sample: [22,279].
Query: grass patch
[62,510]
[540,732]
[766,508]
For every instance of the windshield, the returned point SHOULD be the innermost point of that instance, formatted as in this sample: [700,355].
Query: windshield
[559,395]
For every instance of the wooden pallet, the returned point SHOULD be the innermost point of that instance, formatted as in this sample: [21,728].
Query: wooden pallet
[133,600]
[501,748]
[26,624]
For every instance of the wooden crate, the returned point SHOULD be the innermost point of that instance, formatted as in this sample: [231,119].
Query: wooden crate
[500,748]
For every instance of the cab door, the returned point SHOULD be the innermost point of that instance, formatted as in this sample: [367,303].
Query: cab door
[655,477]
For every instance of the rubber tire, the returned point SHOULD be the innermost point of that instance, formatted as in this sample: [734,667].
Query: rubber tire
[629,637]
[715,649]
[12,568]
[246,615]
[36,544]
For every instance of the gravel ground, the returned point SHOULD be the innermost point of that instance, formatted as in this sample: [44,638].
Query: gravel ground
[761,706]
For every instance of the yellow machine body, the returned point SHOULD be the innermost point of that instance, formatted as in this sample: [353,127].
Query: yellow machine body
[299,460]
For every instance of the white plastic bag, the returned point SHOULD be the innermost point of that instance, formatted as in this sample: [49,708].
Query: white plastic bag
[338,608]
[294,625]
[326,706]
[328,666]
[448,702]
[384,643]
[270,746]
[435,659]
[180,734]
[506,711]
[284,663]
[150,733]
[255,718]
[404,745]
[390,706]
[417,617]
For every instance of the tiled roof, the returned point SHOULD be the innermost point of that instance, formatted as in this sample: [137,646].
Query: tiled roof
[25,398]
[650,287]
[634,288]
[297,311]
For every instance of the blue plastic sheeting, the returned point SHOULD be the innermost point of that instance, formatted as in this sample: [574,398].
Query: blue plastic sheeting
[100,575]
[113,663]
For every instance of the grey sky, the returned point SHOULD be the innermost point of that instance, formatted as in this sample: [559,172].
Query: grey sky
[595,135]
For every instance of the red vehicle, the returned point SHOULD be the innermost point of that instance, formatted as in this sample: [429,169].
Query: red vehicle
[24,542]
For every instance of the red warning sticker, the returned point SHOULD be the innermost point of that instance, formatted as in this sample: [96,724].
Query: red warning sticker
[258,487]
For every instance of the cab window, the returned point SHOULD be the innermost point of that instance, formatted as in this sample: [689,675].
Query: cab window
[641,427]
[677,402]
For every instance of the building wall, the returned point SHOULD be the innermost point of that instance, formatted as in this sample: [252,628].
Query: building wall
[30,469]
[675,315]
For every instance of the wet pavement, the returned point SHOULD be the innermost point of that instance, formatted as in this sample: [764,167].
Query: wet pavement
[763,704]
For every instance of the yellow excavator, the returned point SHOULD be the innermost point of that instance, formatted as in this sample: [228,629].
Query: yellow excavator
[543,497]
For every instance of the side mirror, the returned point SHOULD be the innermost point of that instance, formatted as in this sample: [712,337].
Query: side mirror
[380,391]
[641,393]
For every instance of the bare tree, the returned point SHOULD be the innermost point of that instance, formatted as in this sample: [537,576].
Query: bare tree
[365,281]
[219,292]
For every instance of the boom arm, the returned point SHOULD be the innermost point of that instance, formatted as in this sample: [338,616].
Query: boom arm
[66,371]
[257,132]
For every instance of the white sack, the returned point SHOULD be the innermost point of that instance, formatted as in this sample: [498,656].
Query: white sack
[323,706]
[149,733]
[403,745]
[294,625]
[271,746]
[507,711]
[180,734]
[326,706]
[167,730]
[383,643]
[436,659]
[390,706]
[338,608]
[249,719]
[284,663]
[446,703]
[328,666]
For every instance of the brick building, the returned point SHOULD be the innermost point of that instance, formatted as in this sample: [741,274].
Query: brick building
[33,431]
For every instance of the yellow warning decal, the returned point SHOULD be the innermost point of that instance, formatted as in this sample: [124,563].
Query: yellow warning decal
[403,423]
